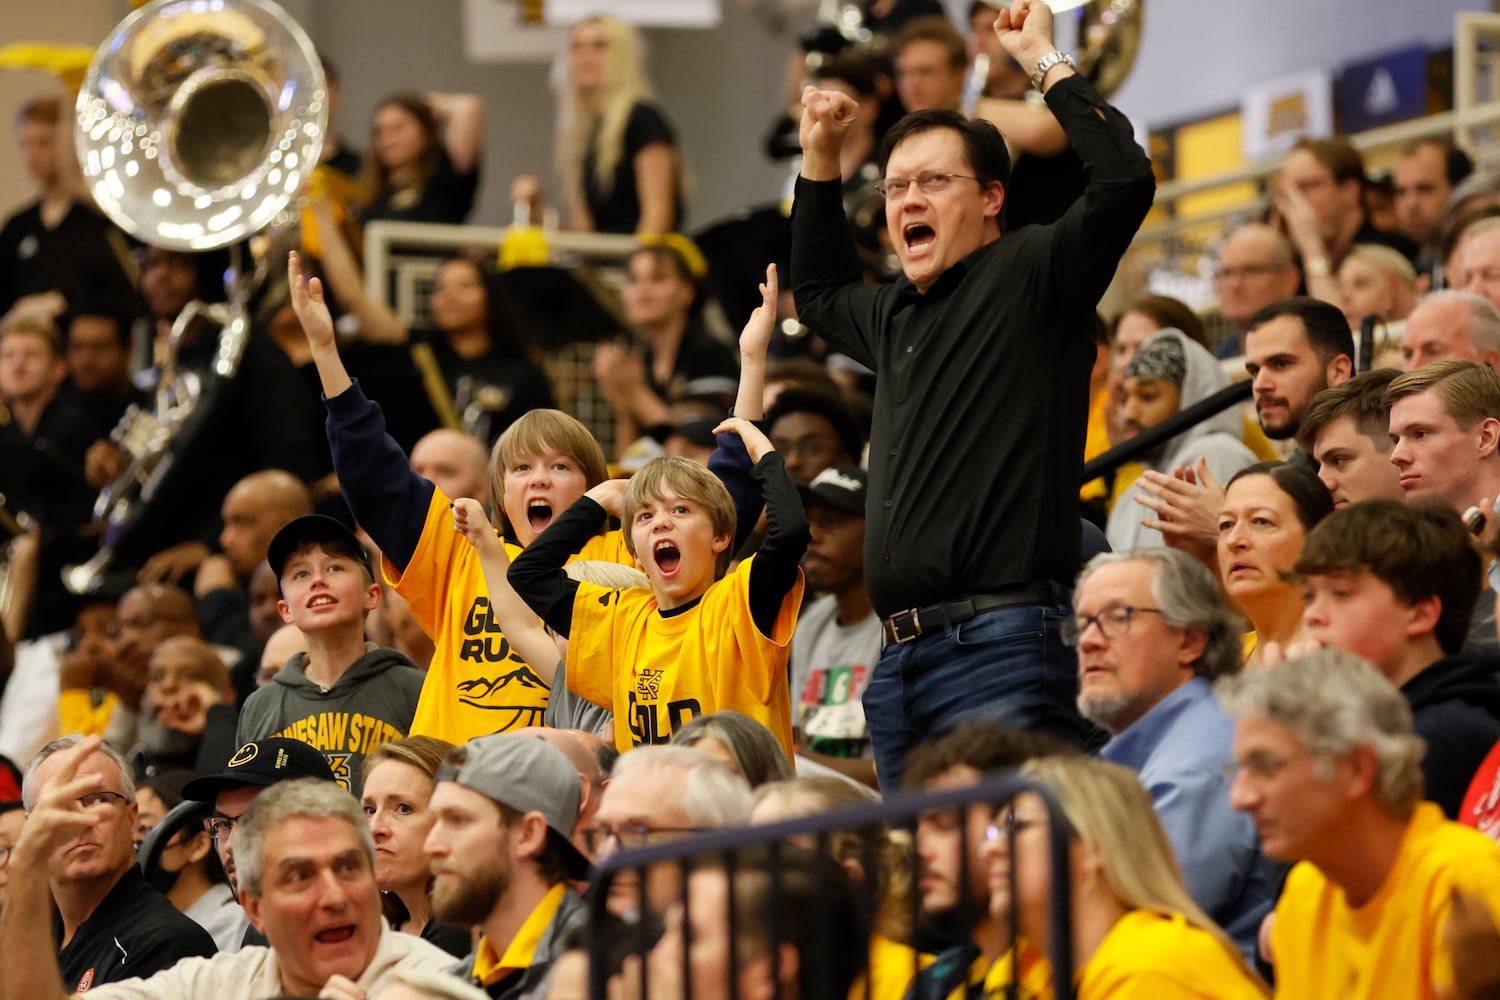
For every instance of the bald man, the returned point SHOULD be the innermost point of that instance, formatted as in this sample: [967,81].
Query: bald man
[284,643]
[254,509]
[185,681]
[593,757]
[457,463]
[148,615]
[1451,324]
[1256,267]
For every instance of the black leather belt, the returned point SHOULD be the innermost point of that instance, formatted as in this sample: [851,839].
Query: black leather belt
[904,626]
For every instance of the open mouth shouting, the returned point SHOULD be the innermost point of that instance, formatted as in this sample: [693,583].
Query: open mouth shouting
[336,935]
[538,514]
[919,237]
[667,556]
[321,601]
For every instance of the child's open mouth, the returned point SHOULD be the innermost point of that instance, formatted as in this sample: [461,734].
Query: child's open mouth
[539,515]
[668,557]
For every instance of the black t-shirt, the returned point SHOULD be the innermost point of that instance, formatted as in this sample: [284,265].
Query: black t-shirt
[446,196]
[619,209]
[518,387]
[134,931]
[83,258]
[700,356]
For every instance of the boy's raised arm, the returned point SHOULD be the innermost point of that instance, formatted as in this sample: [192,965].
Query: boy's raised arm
[773,572]
[730,461]
[385,496]
[516,620]
[537,575]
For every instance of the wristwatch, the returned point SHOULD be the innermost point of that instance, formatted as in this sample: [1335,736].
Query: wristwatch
[1317,267]
[1047,62]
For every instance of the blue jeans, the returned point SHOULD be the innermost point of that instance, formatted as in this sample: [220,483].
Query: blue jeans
[1007,667]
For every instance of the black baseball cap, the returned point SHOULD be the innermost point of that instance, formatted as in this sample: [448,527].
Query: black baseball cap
[842,487]
[314,529]
[262,763]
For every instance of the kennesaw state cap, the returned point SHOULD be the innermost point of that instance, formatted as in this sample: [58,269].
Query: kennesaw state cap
[262,763]
[527,775]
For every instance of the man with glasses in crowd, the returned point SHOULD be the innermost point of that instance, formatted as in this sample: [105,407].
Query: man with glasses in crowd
[1329,768]
[657,794]
[1153,634]
[983,352]
[111,925]
[1257,266]
[252,769]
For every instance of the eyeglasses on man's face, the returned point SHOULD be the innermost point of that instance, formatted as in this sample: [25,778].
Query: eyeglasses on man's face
[1111,622]
[633,835]
[928,182]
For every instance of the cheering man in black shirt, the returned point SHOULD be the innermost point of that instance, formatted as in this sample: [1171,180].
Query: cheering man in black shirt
[982,354]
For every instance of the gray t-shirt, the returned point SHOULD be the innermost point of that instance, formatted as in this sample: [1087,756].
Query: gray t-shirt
[831,664]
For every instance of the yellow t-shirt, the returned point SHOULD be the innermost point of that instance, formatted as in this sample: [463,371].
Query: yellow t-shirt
[476,684]
[1153,956]
[658,672]
[77,712]
[1392,947]
[1034,983]
[892,967]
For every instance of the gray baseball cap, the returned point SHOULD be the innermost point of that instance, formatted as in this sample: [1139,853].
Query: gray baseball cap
[527,775]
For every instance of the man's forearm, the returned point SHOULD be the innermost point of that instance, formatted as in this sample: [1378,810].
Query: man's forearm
[29,970]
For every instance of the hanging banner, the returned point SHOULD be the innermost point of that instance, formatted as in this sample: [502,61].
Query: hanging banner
[1279,112]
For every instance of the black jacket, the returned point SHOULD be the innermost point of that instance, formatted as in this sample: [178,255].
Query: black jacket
[1455,704]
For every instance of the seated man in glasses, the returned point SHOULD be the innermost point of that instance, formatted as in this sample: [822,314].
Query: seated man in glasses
[111,924]
[252,769]
[1152,634]
[657,794]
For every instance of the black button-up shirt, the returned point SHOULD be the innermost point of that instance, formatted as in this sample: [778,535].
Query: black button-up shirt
[982,383]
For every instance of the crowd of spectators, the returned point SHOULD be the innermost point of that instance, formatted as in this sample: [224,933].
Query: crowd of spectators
[393,663]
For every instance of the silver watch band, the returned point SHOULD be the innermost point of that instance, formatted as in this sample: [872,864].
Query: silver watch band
[1047,61]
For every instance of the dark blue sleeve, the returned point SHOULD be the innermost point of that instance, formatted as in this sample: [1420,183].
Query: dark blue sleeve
[731,463]
[387,499]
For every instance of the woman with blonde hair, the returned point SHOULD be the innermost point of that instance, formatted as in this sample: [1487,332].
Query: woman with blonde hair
[870,852]
[1135,928]
[615,149]
[399,778]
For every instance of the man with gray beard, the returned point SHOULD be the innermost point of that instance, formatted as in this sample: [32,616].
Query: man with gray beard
[505,807]
[1152,634]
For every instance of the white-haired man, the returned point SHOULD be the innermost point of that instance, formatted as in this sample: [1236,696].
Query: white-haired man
[660,793]
[1329,767]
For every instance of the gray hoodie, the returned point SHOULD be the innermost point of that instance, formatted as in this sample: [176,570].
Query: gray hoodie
[373,702]
[1219,439]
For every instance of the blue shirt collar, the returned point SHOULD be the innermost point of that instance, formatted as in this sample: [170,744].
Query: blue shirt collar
[1134,746]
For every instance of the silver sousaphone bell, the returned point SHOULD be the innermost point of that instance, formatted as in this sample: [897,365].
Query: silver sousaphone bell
[198,123]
